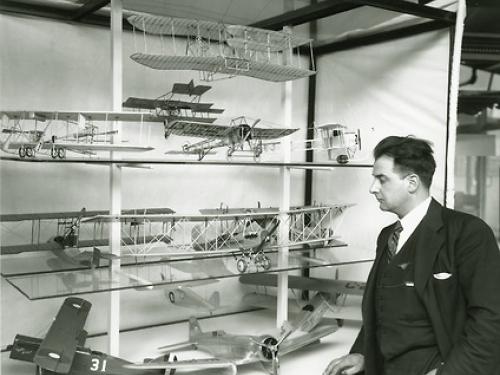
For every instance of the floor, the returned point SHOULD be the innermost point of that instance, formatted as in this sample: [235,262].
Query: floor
[137,345]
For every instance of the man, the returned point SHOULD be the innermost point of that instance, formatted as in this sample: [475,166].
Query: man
[432,299]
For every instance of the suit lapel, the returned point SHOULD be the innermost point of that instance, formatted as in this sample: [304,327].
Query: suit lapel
[429,241]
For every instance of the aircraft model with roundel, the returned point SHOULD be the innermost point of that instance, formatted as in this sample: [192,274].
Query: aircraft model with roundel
[215,48]
[239,136]
[29,133]
[241,349]
[62,351]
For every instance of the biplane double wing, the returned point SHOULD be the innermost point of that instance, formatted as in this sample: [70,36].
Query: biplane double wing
[28,142]
[236,49]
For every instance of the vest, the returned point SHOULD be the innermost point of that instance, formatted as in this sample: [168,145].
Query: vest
[404,332]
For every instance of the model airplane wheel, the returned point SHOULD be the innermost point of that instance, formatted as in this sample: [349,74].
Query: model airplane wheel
[22,152]
[266,263]
[61,152]
[171,297]
[54,153]
[30,152]
[241,265]
[342,159]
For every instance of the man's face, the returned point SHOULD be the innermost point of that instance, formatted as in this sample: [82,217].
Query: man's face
[390,187]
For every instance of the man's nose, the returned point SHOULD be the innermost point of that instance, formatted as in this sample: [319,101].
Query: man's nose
[374,187]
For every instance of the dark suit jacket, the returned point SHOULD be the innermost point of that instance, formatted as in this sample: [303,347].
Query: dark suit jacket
[464,308]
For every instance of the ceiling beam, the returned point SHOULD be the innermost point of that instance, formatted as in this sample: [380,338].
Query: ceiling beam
[403,6]
[88,8]
[306,14]
[379,37]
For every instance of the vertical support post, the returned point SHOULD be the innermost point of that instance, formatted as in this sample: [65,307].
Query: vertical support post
[449,193]
[115,176]
[284,230]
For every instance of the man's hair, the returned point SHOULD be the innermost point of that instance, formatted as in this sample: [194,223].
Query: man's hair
[411,155]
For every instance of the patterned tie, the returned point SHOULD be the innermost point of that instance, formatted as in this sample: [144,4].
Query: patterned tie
[392,243]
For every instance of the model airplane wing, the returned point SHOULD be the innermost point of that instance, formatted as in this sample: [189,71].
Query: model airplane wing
[225,65]
[307,283]
[207,366]
[58,348]
[296,343]
[271,133]
[152,104]
[197,129]
[190,89]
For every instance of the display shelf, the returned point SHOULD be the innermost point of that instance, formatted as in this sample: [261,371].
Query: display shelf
[48,262]
[163,161]
[148,275]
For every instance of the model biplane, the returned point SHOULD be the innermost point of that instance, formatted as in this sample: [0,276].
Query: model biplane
[215,48]
[244,235]
[63,234]
[239,137]
[267,349]
[171,106]
[340,143]
[62,351]
[29,133]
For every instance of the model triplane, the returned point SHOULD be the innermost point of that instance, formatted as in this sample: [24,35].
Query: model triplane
[171,106]
[213,48]
[239,137]
[62,351]
[247,236]
[29,133]
[241,349]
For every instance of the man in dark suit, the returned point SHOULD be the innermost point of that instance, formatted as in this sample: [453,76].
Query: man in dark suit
[432,299]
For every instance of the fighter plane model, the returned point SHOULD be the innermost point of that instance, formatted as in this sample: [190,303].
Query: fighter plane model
[239,137]
[215,48]
[62,351]
[169,106]
[29,133]
[239,350]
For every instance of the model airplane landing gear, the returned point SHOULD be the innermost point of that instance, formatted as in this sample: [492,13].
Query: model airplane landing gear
[26,152]
[58,152]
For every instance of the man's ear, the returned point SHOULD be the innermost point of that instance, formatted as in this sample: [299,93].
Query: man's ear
[413,182]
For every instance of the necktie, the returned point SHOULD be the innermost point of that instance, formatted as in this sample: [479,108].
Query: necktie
[392,243]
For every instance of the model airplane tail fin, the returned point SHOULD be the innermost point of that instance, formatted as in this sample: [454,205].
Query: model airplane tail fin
[194,328]
[24,348]
[214,300]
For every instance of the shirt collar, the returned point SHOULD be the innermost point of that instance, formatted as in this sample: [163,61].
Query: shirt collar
[411,220]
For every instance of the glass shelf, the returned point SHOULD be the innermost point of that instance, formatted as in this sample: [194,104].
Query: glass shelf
[148,275]
[163,161]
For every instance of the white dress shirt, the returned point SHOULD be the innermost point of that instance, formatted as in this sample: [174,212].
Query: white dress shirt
[411,220]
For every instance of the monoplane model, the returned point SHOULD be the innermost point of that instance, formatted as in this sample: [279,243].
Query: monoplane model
[62,351]
[239,136]
[29,133]
[240,349]
[172,105]
[215,48]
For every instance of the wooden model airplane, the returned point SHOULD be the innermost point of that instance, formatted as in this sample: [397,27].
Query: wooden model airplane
[214,48]
[236,349]
[62,351]
[239,136]
[21,132]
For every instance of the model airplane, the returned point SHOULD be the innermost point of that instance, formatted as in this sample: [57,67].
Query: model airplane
[22,133]
[238,136]
[214,48]
[244,349]
[62,351]
[340,143]
[169,107]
